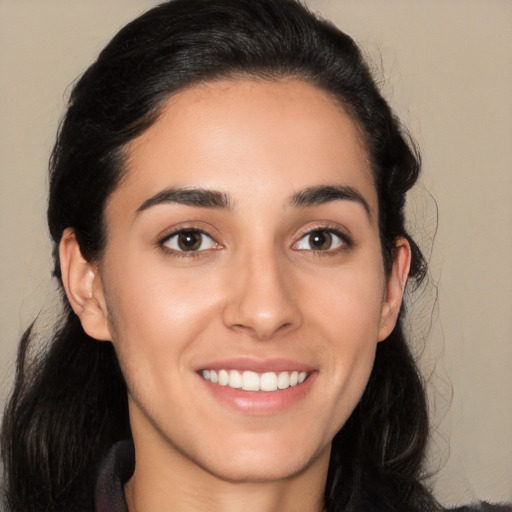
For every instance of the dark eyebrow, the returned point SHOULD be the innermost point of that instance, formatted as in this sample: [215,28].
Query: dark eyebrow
[326,193]
[189,196]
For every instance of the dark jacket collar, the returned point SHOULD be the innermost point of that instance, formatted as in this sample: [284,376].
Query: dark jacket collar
[115,471]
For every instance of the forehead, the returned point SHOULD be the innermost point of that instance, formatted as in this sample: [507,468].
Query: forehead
[249,137]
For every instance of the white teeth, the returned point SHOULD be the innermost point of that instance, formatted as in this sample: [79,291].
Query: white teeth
[268,381]
[252,381]
[283,380]
[235,379]
[223,378]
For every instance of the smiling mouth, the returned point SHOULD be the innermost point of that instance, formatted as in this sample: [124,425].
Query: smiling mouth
[252,381]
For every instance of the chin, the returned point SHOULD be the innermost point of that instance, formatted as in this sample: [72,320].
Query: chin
[257,471]
[263,463]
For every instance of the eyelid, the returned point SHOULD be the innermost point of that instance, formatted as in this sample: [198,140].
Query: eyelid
[187,225]
[176,231]
[336,230]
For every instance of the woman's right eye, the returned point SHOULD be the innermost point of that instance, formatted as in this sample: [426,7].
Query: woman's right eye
[189,240]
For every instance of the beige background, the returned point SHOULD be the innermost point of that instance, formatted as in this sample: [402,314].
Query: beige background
[447,69]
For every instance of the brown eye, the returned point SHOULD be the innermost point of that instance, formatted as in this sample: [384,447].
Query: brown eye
[321,240]
[189,241]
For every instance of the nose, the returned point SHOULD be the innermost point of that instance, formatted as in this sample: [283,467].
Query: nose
[261,300]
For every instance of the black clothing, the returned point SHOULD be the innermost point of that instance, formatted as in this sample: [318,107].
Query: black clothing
[115,471]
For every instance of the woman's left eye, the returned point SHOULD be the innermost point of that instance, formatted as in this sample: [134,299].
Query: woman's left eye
[321,240]
[190,240]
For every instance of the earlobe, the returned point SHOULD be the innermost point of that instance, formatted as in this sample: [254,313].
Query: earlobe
[83,287]
[395,288]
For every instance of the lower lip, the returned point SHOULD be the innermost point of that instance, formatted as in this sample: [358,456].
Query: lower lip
[260,402]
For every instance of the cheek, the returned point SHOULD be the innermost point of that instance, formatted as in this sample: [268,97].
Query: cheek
[346,314]
[154,297]
[347,301]
[155,318]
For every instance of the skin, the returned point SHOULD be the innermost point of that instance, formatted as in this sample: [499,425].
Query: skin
[259,290]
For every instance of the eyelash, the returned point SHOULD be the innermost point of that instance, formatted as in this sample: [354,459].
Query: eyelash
[183,253]
[346,242]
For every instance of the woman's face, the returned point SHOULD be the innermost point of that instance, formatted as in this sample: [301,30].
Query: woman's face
[243,247]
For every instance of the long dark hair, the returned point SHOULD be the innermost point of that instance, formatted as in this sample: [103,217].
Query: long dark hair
[69,403]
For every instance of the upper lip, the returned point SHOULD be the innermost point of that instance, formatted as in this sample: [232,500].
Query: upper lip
[254,364]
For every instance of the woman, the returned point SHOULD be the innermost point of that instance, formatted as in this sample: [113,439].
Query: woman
[226,203]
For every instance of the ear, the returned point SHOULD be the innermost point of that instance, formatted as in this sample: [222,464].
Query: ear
[395,287]
[83,286]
